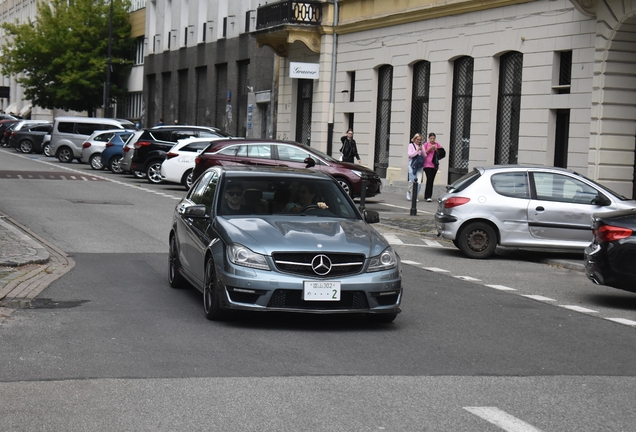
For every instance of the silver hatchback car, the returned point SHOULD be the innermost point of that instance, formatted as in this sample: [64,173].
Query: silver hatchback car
[281,239]
[522,207]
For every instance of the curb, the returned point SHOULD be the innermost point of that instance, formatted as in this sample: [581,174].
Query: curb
[28,252]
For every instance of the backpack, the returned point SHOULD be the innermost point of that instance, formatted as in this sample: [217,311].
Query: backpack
[417,163]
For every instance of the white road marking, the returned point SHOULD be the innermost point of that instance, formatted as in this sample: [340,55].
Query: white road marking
[623,321]
[501,287]
[433,243]
[411,263]
[436,270]
[404,208]
[468,278]
[578,309]
[392,239]
[502,419]
[539,298]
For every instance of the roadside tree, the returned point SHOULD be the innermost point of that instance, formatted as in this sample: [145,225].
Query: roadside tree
[60,60]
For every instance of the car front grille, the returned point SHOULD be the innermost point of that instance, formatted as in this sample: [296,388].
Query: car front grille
[292,299]
[300,263]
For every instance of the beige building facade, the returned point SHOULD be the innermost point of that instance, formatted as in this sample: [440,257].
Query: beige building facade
[546,82]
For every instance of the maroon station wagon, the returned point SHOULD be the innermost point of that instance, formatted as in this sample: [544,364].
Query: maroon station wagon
[287,154]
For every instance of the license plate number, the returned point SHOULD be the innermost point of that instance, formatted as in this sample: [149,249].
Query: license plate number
[321,291]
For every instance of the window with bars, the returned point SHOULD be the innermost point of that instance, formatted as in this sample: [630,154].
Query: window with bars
[419,98]
[243,81]
[508,108]
[383,119]
[201,76]
[131,107]
[304,103]
[565,72]
[182,97]
[459,142]
[165,93]
[221,96]
[139,53]
[352,85]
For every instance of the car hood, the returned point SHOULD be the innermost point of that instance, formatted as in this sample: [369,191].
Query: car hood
[266,235]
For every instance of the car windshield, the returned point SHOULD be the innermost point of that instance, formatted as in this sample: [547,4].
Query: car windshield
[288,196]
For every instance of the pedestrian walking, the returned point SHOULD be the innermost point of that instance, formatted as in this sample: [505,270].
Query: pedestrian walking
[431,164]
[349,149]
[416,154]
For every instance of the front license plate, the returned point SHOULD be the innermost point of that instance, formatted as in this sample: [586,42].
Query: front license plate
[321,291]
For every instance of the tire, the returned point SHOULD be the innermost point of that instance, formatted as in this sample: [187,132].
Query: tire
[153,172]
[115,164]
[477,240]
[382,318]
[211,302]
[346,186]
[65,155]
[138,174]
[175,278]
[26,146]
[46,150]
[186,180]
[95,161]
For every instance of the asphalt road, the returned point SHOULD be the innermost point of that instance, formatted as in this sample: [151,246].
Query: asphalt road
[110,346]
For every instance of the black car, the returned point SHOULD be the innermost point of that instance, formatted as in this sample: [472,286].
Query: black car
[153,144]
[30,137]
[610,259]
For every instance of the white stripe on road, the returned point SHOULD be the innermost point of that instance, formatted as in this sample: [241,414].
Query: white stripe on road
[411,263]
[436,270]
[501,287]
[623,321]
[539,298]
[433,243]
[468,278]
[392,239]
[405,208]
[578,309]
[502,419]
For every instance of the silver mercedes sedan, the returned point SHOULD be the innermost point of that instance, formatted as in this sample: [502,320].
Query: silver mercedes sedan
[522,207]
[281,239]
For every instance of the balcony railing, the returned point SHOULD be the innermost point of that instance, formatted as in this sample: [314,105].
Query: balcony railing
[289,12]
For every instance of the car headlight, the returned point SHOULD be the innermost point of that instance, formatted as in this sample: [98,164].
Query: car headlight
[386,260]
[240,255]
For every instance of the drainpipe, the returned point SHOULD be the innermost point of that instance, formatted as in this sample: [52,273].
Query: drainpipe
[332,92]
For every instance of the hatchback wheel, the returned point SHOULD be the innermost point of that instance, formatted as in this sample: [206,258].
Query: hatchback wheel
[175,278]
[46,150]
[477,240]
[95,161]
[154,172]
[115,164]
[26,146]
[65,155]
[211,303]
[186,180]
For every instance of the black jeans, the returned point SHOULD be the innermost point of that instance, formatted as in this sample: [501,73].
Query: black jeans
[430,178]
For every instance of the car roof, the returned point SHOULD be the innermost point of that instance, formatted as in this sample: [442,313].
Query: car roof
[522,168]
[179,127]
[275,172]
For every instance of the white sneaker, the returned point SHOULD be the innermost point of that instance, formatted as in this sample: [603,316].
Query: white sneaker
[428,200]
[408,196]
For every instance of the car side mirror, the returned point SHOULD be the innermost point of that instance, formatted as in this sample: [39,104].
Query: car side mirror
[371,216]
[195,212]
[601,200]
[309,162]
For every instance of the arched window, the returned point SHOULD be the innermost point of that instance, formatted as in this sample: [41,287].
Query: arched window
[459,143]
[383,119]
[508,108]
[419,98]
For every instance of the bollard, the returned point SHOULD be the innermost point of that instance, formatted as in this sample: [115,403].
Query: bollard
[414,198]
[363,192]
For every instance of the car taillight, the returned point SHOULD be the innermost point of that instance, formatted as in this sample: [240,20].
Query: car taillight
[109,144]
[126,149]
[86,145]
[608,233]
[455,201]
[197,160]
[141,144]
[170,155]
[13,134]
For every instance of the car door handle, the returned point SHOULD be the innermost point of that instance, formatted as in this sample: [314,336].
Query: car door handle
[540,209]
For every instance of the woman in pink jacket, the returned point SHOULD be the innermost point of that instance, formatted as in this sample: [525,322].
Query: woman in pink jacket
[431,165]
[416,163]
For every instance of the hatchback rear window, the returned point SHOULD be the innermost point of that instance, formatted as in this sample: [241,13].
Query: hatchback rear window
[464,181]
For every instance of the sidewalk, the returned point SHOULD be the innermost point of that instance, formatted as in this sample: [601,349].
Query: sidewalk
[26,266]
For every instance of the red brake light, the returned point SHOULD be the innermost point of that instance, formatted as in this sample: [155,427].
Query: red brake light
[608,233]
[126,149]
[86,145]
[13,134]
[170,155]
[455,201]
[141,144]
[197,160]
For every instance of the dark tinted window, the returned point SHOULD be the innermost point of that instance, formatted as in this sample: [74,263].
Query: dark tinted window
[513,184]
[182,134]
[66,127]
[156,135]
[41,128]
[89,128]
[195,147]
[464,181]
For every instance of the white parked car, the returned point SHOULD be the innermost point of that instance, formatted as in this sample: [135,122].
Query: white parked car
[93,147]
[179,162]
